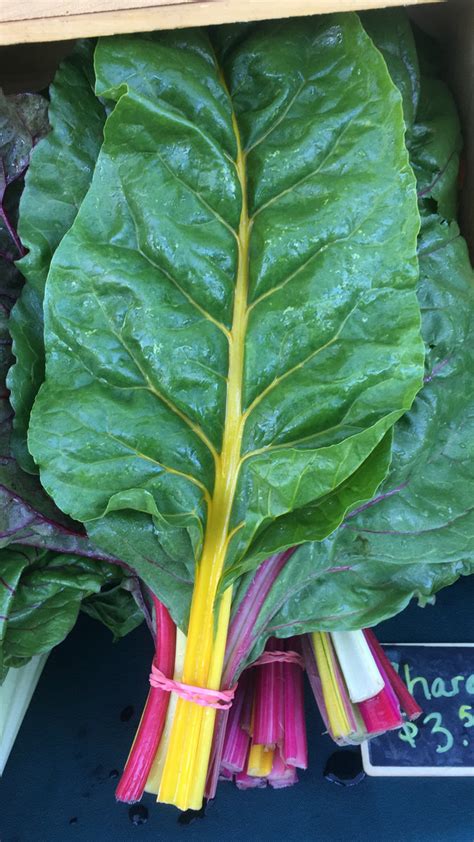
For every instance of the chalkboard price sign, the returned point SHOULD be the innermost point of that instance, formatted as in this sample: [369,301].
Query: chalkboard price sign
[441,741]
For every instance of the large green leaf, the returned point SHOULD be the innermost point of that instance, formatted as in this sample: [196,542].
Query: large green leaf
[435,140]
[231,323]
[27,514]
[57,180]
[391,31]
[417,535]
[40,597]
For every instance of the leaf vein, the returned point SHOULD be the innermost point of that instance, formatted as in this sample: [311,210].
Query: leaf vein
[197,194]
[196,429]
[309,175]
[166,468]
[205,313]
[276,382]
[315,254]
[280,119]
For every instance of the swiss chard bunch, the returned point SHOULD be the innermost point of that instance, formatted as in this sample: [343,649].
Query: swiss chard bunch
[231,321]
[237,401]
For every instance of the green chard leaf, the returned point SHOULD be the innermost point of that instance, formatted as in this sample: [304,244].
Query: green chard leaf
[58,177]
[391,32]
[231,323]
[41,594]
[417,535]
[27,514]
[434,142]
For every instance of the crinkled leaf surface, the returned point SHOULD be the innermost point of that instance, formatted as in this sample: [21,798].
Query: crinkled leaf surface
[29,516]
[435,140]
[172,568]
[417,535]
[27,513]
[435,146]
[62,164]
[390,30]
[115,608]
[23,121]
[231,324]
[40,597]
[57,180]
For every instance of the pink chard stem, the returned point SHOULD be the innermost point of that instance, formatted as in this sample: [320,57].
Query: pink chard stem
[381,712]
[148,736]
[244,781]
[268,722]
[236,743]
[282,774]
[406,700]
[295,746]
[240,641]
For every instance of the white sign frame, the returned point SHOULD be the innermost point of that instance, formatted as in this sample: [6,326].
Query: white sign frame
[415,771]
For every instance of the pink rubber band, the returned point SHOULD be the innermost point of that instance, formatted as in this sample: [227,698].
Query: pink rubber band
[219,699]
[279,657]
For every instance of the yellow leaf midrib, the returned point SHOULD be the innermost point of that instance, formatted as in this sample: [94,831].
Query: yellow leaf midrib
[186,764]
[229,460]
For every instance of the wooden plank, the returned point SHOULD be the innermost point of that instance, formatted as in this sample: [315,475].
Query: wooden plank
[61,8]
[163,14]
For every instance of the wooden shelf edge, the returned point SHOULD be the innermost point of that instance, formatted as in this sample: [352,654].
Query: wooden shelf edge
[176,15]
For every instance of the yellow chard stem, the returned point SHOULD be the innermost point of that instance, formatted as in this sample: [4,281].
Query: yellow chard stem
[338,720]
[198,780]
[156,771]
[260,762]
[187,759]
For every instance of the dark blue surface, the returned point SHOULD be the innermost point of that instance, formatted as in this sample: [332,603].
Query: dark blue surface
[73,737]
[441,679]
